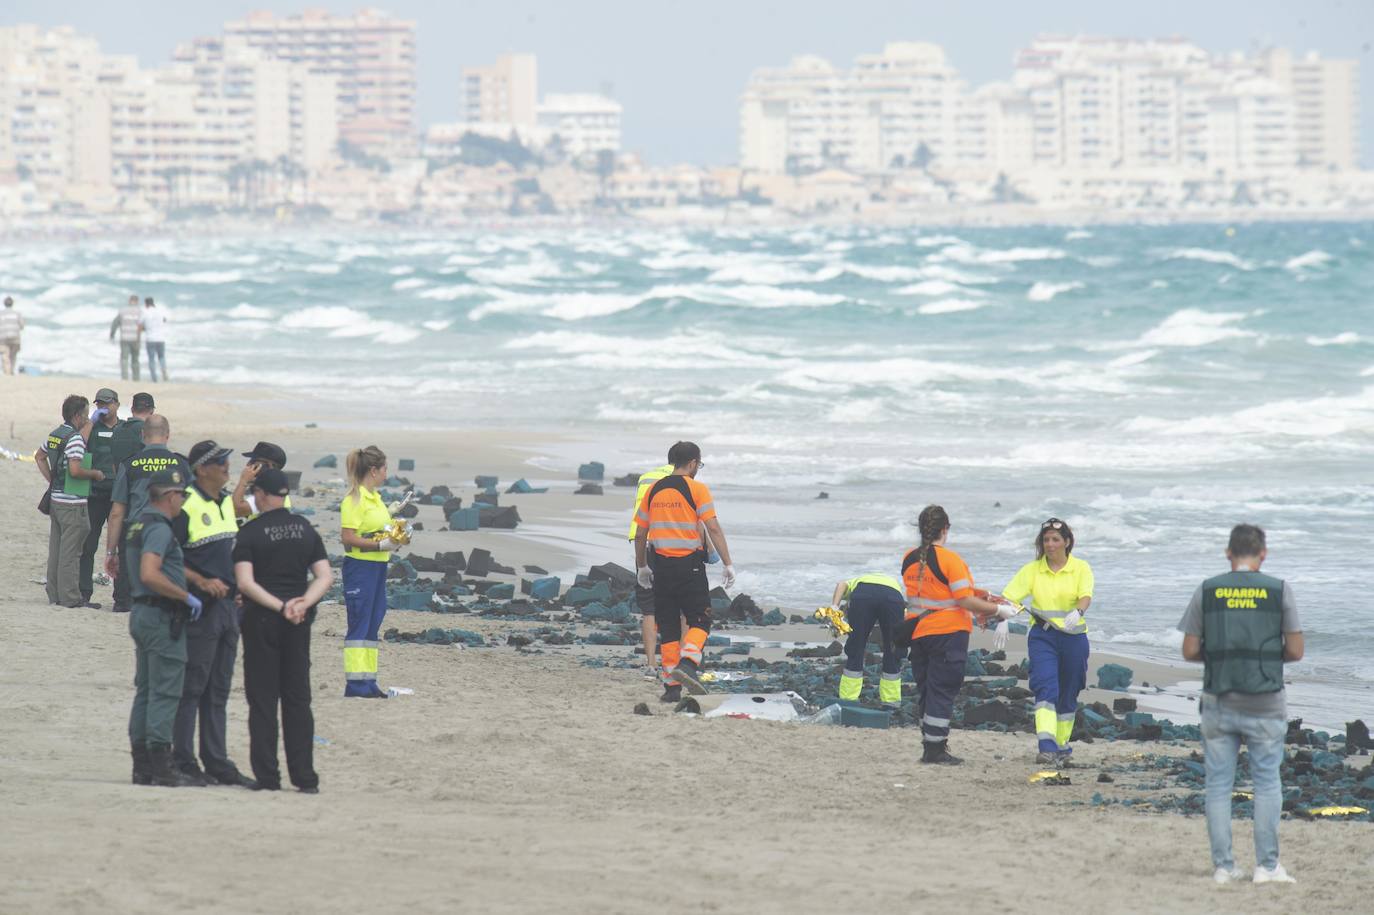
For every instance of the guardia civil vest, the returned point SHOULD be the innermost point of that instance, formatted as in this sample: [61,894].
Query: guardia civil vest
[210,531]
[645,481]
[1242,633]
[57,461]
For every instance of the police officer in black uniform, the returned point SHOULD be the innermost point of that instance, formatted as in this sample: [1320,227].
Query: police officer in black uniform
[274,558]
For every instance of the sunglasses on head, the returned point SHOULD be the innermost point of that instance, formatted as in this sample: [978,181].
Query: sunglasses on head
[1054,524]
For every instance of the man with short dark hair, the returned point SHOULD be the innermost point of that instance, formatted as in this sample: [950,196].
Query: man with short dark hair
[1243,626]
[162,606]
[127,441]
[205,528]
[264,456]
[274,554]
[11,330]
[105,424]
[62,462]
[129,498]
[127,324]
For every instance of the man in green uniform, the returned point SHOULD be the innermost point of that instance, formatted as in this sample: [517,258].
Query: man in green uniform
[127,441]
[105,423]
[162,607]
[129,499]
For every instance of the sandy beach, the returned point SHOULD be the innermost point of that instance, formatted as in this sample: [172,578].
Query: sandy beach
[524,782]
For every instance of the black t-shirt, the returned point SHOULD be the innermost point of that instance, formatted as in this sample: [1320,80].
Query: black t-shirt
[282,547]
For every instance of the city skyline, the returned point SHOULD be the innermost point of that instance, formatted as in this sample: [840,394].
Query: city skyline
[673,114]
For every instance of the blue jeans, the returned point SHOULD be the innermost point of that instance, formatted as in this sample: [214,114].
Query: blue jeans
[1222,732]
[157,353]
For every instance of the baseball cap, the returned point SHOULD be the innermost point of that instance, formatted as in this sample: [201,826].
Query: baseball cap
[208,452]
[266,451]
[106,395]
[165,479]
[272,481]
[143,401]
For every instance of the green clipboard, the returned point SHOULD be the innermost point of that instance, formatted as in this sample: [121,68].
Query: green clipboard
[75,487]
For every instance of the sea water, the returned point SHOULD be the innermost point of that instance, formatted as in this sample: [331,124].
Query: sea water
[1151,385]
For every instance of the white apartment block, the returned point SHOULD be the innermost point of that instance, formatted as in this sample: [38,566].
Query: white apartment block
[1071,103]
[506,92]
[370,55]
[584,123]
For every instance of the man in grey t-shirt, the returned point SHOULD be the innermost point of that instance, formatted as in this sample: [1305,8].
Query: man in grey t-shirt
[1243,626]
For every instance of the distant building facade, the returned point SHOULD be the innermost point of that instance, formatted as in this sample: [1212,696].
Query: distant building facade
[583,123]
[505,92]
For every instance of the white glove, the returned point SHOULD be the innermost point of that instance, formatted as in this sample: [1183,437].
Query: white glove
[401,503]
[387,544]
[999,639]
[645,575]
[1072,619]
[1007,611]
[729,580]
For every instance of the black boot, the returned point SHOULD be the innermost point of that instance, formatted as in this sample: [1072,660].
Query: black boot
[164,771]
[671,693]
[939,754]
[687,671]
[143,767]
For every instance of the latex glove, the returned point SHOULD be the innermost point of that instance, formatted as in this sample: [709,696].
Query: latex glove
[387,544]
[1000,633]
[1007,611]
[1072,619]
[194,603]
[98,414]
[729,579]
[645,576]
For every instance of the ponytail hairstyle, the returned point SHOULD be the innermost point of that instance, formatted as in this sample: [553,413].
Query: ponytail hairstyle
[1059,527]
[932,523]
[359,463]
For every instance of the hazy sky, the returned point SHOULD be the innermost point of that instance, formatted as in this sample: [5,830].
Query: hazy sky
[679,67]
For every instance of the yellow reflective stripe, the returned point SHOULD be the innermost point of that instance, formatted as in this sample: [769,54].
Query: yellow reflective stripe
[360,660]
[1046,722]
[646,480]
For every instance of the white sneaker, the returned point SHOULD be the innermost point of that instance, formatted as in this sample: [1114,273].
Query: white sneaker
[1277,875]
[1222,876]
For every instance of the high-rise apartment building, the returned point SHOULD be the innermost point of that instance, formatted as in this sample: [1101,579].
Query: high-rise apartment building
[1326,106]
[584,123]
[370,55]
[506,92]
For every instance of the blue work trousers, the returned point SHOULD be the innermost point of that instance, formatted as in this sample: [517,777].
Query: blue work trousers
[937,666]
[1058,673]
[364,587]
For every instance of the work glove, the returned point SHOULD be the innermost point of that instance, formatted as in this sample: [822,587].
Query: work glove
[194,603]
[98,414]
[729,580]
[1072,619]
[1000,633]
[387,544]
[645,576]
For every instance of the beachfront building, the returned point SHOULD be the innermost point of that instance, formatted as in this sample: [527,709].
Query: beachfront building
[505,92]
[583,123]
[1326,106]
[371,56]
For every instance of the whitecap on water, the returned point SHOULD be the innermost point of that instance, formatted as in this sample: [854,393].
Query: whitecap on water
[1206,256]
[950,306]
[1044,292]
[413,282]
[1194,327]
[1313,258]
[1342,339]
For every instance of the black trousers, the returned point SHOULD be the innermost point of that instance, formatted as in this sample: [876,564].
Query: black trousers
[872,605]
[98,508]
[123,599]
[937,666]
[212,647]
[276,671]
[681,590]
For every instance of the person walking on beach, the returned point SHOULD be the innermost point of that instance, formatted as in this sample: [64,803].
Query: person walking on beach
[153,327]
[105,423]
[1243,626]
[11,329]
[644,597]
[873,599]
[206,528]
[282,572]
[940,603]
[129,498]
[62,462]
[669,522]
[264,456]
[127,324]
[1060,586]
[162,605]
[363,514]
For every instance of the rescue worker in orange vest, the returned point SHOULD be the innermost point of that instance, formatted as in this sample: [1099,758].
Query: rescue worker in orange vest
[670,559]
[941,601]
[644,597]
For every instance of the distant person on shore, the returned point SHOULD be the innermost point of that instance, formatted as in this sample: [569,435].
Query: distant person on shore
[162,607]
[206,528]
[644,597]
[1060,586]
[941,602]
[362,514]
[153,326]
[105,423]
[62,462]
[264,456]
[127,324]
[11,329]
[275,557]
[669,523]
[129,498]
[127,441]
[1243,626]
[873,599]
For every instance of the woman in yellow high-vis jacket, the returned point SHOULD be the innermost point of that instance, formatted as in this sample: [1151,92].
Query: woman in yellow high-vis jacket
[1060,586]
[362,514]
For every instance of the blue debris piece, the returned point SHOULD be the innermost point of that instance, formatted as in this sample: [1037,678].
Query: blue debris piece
[304,512]
[541,588]
[619,613]
[774,617]
[973,665]
[1321,759]
[1018,628]
[1114,676]
[408,600]
[594,471]
[486,482]
[328,460]
[602,637]
[405,464]
[600,591]
[1091,716]
[395,481]
[503,591]
[720,603]
[523,486]
[465,519]
[717,641]
[1136,719]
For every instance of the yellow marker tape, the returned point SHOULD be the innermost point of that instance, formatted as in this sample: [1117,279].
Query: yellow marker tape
[1335,811]
[1051,776]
